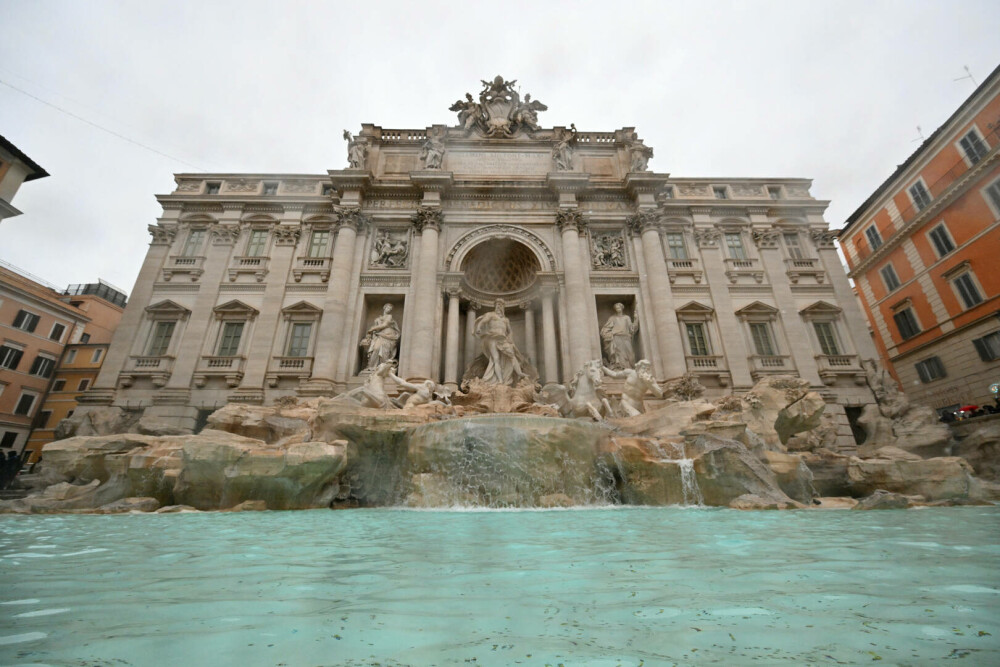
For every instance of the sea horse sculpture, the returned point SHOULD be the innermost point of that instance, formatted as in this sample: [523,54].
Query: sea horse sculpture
[586,399]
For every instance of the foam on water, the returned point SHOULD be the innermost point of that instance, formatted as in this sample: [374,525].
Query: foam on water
[590,586]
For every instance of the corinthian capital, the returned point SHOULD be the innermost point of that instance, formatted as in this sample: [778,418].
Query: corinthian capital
[570,218]
[426,217]
[162,235]
[351,216]
[642,221]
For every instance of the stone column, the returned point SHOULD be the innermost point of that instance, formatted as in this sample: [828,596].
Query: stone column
[427,222]
[570,222]
[664,316]
[530,348]
[329,338]
[451,345]
[549,337]
[470,335]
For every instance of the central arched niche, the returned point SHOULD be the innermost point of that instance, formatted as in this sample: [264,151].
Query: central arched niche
[500,267]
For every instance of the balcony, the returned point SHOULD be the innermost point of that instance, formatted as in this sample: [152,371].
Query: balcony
[743,268]
[832,366]
[796,269]
[229,368]
[257,266]
[697,363]
[193,267]
[688,269]
[770,364]
[288,367]
[157,369]
[312,265]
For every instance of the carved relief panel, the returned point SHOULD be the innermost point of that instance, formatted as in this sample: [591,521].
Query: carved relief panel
[607,250]
[390,249]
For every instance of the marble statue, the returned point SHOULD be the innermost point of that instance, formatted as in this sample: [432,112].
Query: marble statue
[469,112]
[638,381]
[372,393]
[584,396]
[562,152]
[616,338]
[640,155]
[357,151]
[608,251]
[526,113]
[500,112]
[421,393]
[432,151]
[494,333]
[389,250]
[891,402]
[381,339]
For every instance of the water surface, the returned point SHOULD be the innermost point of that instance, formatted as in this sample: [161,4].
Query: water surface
[610,586]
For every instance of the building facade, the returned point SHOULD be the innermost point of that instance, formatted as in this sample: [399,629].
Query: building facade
[78,366]
[921,251]
[257,286]
[15,168]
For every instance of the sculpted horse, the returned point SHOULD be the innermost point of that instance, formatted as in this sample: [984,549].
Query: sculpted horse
[586,399]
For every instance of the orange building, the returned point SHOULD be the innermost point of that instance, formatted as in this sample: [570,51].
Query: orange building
[81,361]
[922,252]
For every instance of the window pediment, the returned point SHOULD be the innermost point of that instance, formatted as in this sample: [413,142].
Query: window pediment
[757,308]
[235,309]
[820,309]
[167,308]
[695,309]
[303,310]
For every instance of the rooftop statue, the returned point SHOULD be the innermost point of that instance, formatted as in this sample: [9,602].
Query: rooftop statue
[432,152]
[357,151]
[500,112]
[562,152]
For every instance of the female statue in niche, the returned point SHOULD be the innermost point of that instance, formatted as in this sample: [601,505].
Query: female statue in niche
[616,336]
[382,339]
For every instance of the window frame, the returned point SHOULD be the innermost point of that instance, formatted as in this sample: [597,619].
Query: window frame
[38,365]
[667,236]
[31,406]
[257,242]
[226,348]
[889,289]
[988,346]
[874,237]
[941,227]
[62,332]
[738,236]
[907,307]
[991,193]
[29,322]
[769,337]
[976,288]
[926,369]
[96,357]
[71,356]
[794,250]
[194,242]
[313,249]
[56,387]
[970,160]
[922,190]
[706,339]
[16,353]
[289,350]
[162,349]
[83,384]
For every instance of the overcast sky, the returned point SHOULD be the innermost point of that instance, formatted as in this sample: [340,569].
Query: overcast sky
[832,91]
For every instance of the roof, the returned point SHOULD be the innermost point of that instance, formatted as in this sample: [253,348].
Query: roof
[917,153]
[36,169]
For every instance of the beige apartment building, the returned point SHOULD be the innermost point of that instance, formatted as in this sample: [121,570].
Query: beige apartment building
[258,286]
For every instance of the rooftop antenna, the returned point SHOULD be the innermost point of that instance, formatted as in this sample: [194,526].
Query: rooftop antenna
[968,75]
[920,135]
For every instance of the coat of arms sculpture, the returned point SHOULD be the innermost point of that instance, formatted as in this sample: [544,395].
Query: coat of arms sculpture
[500,111]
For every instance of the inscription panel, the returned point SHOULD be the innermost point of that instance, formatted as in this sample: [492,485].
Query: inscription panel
[500,163]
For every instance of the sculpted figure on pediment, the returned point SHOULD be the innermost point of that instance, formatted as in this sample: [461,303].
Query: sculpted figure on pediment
[562,152]
[527,112]
[357,151]
[432,152]
[500,112]
[469,112]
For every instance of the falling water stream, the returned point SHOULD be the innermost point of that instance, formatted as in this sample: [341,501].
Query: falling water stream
[689,482]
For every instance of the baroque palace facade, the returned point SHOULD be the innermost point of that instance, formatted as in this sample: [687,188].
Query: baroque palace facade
[258,286]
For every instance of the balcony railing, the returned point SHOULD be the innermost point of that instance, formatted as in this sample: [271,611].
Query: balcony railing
[796,268]
[156,368]
[255,265]
[317,265]
[770,363]
[743,267]
[231,368]
[684,267]
[182,264]
[702,362]
[293,367]
[832,366]
[938,188]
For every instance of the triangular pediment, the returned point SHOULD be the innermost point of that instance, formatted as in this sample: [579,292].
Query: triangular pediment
[235,307]
[695,308]
[302,308]
[167,307]
[757,308]
[820,308]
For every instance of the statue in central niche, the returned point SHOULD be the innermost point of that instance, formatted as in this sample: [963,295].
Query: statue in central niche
[381,339]
[503,361]
[616,336]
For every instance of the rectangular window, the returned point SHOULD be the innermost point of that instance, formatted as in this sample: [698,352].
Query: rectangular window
[967,290]
[71,356]
[9,438]
[874,238]
[24,405]
[921,198]
[212,188]
[85,338]
[734,242]
[195,240]
[43,419]
[774,192]
[229,342]
[993,194]
[59,385]
[298,341]
[794,246]
[327,190]
[697,340]
[57,332]
[26,321]
[889,277]
[10,357]
[84,383]
[720,193]
[42,366]
[668,192]
[941,239]
[256,243]
[827,338]
[763,341]
[906,322]
[675,246]
[988,346]
[96,357]
[319,242]
[930,369]
[160,341]
[270,188]
[974,147]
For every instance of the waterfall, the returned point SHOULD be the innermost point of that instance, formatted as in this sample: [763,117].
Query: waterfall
[689,481]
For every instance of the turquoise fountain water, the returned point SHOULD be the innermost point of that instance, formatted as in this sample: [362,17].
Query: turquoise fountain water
[601,586]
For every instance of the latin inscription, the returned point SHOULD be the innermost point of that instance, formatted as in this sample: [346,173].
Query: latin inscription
[499,163]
